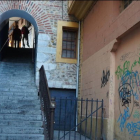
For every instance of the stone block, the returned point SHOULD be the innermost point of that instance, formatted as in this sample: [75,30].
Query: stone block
[42,49]
[50,66]
[43,43]
[41,57]
[43,37]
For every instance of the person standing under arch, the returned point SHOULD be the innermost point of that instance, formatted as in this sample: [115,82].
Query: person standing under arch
[25,33]
[17,36]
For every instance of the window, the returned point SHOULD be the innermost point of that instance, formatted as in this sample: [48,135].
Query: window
[66,50]
[69,44]
[126,3]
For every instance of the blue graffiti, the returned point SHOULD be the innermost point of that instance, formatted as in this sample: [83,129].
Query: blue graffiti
[123,117]
[136,97]
[131,78]
[129,95]
[128,89]
[133,128]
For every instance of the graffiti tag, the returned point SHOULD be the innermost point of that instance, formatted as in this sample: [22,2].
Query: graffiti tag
[136,103]
[126,67]
[123,117]
[133,128]
[105,78]
[125,92]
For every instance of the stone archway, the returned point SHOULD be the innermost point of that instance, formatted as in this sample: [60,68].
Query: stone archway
[20,13]
[31,8]
[31,11]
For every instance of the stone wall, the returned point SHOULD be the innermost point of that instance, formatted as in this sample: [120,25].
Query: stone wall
[46,15]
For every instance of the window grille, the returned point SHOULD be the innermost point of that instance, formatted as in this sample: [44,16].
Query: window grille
[69,44]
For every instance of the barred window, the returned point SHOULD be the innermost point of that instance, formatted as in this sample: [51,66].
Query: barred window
[126,3]
[69,43]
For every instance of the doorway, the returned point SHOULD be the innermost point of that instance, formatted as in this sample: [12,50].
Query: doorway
[7,21]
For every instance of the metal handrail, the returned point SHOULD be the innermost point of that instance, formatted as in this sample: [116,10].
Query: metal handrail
[4,45]
[48,105]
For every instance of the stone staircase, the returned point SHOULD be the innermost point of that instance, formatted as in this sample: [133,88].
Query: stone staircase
[20,113]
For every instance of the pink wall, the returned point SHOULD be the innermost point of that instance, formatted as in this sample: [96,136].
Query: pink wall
[105,23]
[102,27]
[127,87]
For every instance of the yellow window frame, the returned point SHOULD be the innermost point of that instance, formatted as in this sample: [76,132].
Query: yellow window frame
[60,26]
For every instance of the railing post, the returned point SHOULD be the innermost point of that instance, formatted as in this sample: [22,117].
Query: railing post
[52,109]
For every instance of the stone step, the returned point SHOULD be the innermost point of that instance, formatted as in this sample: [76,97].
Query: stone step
[18,97]
[18,102]
[21,130]
[21,82]
[20,110]
[25,111]
[20,89]
[8,78]
[15,76]
[21,123]
[21,117]
[9,106]
[21,137]
[14,93]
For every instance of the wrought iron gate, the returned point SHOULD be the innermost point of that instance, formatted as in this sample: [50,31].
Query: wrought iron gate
[87,115]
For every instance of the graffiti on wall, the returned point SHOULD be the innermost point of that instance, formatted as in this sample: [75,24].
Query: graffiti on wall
[133,128]
[126,68]
[125,56]
[129,91]
[105,78]
[136,114]
[123,117]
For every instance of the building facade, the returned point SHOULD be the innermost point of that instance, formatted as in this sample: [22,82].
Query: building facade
[110,64]
[46,16]
[109,54]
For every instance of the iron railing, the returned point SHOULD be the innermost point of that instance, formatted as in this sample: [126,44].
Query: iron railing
[4,45]
[78,119]
[47,104]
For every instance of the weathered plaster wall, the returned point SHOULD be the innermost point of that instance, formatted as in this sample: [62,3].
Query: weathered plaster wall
[105,23]
[95,77]
[127,90]
[98,83]
[46,15]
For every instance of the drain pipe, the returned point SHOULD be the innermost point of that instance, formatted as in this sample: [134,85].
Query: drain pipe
[78,59]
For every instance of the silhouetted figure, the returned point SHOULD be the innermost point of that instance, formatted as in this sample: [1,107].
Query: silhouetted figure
[17,36]
[25,33]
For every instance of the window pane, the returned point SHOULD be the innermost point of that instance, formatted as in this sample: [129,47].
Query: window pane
[68,54]
[64,53]
[72,54]
[64,35]
[69,44]
[64,44]
[69,35]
